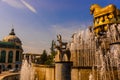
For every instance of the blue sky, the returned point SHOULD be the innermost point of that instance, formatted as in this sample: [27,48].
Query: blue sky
[37,22]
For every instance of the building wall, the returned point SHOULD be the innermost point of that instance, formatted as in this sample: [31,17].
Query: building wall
[43,72]
[48,73]
[14,62]
[77,73]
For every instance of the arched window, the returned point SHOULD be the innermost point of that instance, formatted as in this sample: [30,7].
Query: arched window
[9,67]
[3,56]
[10,57]
[17,56]
[16,66]
[3,67]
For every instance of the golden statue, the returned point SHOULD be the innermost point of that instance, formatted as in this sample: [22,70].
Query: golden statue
[97,10]
[103,16]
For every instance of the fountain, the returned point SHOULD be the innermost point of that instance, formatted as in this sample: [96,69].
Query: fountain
[101,43]
[27,71]
[106,50]
[96,49]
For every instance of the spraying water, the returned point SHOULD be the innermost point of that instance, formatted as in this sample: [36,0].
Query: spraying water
[27,71]
[104,51]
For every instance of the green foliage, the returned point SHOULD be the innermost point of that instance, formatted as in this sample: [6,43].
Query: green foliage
[43,57]
[53,52]
[48,59]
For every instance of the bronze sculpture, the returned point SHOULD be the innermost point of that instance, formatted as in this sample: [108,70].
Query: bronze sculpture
[62,50]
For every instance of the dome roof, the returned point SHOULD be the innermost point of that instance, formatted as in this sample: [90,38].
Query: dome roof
[12,38]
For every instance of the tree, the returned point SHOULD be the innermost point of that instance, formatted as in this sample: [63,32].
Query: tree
[53,52]
[43,57]
[48,59]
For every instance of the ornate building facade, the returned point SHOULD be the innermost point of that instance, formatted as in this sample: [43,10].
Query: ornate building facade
[10,52]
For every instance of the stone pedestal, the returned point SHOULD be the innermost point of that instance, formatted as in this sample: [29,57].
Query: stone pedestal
[63,70]
[115,45]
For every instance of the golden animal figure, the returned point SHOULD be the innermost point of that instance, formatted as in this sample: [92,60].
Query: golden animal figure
[97,10]
[103,16]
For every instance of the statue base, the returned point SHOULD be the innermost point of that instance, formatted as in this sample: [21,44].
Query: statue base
[115,43]
[63,70]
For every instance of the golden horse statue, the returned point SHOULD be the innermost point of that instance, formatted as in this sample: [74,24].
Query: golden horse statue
[97,10]
[103,16]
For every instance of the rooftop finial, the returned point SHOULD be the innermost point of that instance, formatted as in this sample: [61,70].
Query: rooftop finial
[12,32]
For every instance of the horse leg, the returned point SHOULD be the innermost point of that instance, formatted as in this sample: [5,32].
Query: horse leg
[68,56]
[60,57]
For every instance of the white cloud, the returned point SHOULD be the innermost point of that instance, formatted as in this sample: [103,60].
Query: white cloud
[31,49]
[31,8]
[14,3]
[67,30]
[20,4]
[34,46]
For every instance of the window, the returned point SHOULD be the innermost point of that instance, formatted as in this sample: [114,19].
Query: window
[9,67]
[16,66]
[3,67]
[2,56]
[17,56]
[10,57]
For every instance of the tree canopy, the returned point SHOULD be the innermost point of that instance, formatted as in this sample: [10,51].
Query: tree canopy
[46,59]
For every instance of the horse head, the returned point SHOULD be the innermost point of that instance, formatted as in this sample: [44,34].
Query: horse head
[94,7]
[59,38]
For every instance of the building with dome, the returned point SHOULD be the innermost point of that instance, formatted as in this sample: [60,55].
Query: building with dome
[10,52]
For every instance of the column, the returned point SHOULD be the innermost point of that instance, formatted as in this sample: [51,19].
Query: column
[14,56]
[6,56]
[21,56]
[63,70]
